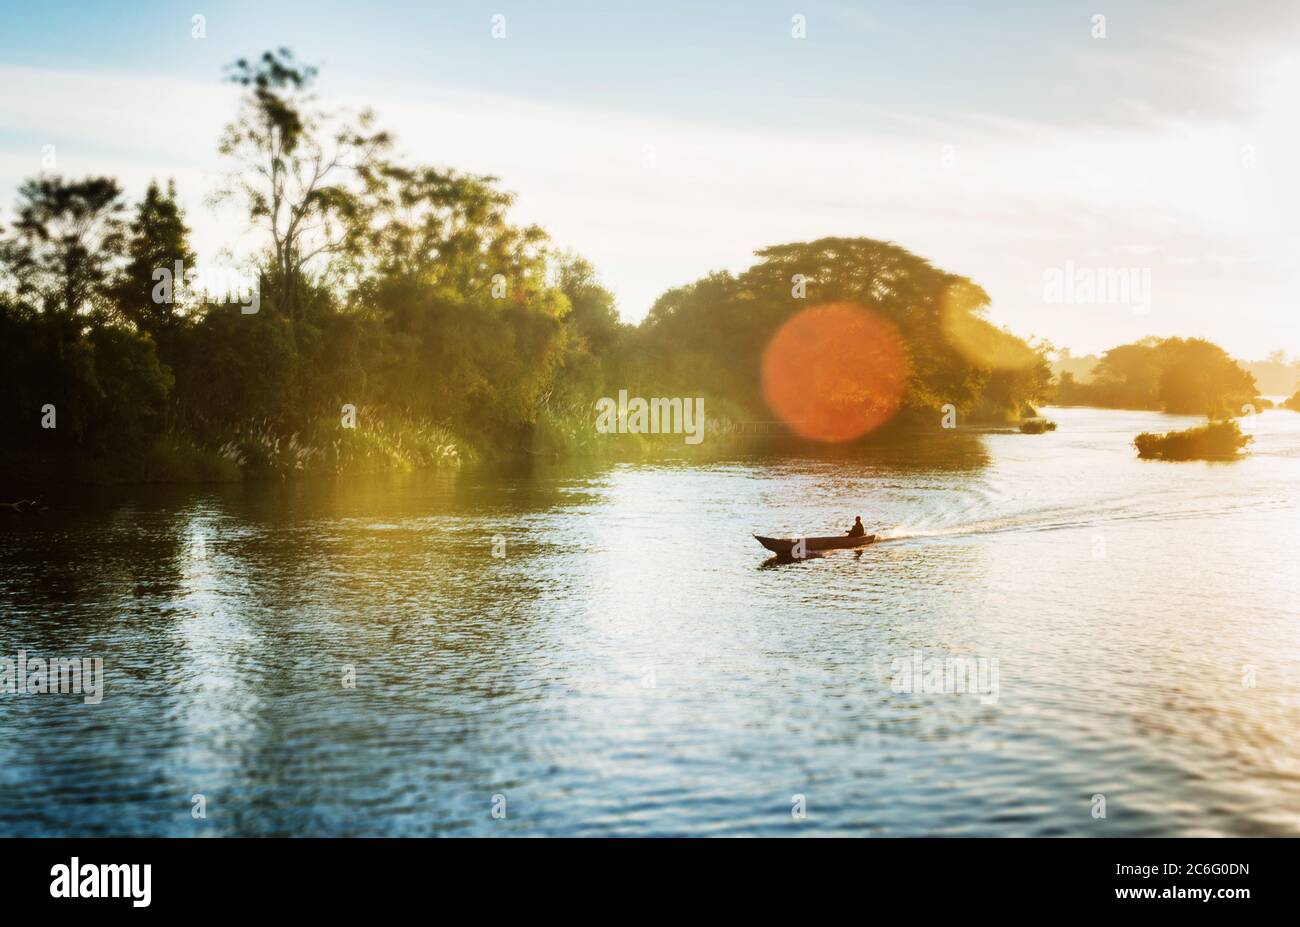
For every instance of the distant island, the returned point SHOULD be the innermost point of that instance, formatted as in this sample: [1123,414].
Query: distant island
[1275,375]
[1180,375]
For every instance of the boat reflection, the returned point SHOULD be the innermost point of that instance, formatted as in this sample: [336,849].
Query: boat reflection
[780,560]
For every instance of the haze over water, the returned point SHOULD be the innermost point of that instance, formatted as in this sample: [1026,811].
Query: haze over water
[635,665]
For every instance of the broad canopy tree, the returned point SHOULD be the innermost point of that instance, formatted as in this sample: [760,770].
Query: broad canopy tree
[712,333]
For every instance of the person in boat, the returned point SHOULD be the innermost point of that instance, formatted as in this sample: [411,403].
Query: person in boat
[857,530]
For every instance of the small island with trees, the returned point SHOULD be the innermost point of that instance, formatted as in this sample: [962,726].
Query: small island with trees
[1221,440]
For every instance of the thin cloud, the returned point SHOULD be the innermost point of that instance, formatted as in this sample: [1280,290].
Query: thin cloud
[656,201]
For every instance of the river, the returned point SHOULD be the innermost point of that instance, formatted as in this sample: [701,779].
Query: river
[360,657]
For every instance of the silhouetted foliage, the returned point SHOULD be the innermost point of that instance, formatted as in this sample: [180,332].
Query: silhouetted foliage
[1213,441]
[1182,375]
[1037,426]
[302,168]
[158,241]
[709,336]
[405,293]
[68,238]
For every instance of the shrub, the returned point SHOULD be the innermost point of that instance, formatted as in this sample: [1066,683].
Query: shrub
[1215,441]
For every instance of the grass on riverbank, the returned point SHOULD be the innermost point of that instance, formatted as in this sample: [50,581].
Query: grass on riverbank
[571,433]
[328,449]
[253,450]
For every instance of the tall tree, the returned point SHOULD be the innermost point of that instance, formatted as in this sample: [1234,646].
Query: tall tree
[593,313]
[159,240]
[300,167]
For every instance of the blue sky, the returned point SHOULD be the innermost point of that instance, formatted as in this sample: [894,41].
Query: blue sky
[1001,140]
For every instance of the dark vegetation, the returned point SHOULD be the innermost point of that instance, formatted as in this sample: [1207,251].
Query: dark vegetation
[707,337]
[1213,441]
[404,293]
[1275,375]
[1179,375]
[1036,426]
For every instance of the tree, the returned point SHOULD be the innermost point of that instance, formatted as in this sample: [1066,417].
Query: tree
[106,382]
[593,313]
[68,238]
[300,165]
[1199,378]
[1276,373]
[159,240]
[472,324]
[1128,376]
[444,228]
[1184,375]
[709,336]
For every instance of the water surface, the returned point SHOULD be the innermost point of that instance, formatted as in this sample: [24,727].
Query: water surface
[634,664]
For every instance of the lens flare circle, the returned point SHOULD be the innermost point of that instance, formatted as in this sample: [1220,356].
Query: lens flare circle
[835,372]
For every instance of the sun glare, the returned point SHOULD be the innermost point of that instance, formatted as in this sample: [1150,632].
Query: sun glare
[835,372]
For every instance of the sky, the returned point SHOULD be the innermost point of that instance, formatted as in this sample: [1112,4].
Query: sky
[1010,142]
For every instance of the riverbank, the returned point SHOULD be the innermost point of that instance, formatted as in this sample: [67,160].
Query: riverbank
[374,445]
[254,451]
[258,455]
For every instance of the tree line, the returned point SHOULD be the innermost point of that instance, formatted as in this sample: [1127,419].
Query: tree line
[404,293]
[1180,375]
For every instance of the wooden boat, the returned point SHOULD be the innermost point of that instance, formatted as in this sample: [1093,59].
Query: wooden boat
[784,546]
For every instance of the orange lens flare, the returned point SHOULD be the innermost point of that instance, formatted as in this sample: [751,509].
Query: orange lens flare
[835,372]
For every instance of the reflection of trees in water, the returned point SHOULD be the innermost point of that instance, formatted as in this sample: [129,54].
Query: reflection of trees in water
[938,450]
[70,573]
[95,577]
[225,617]
[394,577]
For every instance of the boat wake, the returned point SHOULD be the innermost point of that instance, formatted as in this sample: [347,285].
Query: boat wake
[1069,518]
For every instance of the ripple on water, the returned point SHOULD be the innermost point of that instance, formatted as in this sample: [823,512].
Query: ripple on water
[628,668]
